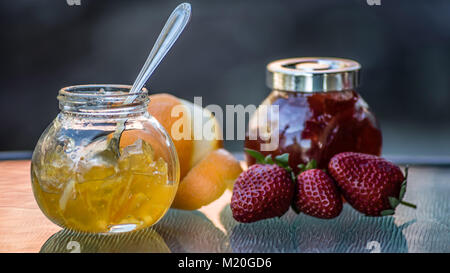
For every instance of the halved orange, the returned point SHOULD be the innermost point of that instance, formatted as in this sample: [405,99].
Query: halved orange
[207,180]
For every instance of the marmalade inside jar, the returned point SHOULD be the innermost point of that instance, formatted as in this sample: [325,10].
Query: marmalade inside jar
[100,193]
[318,126]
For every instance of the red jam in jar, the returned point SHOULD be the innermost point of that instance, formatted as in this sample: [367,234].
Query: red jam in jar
[319,112]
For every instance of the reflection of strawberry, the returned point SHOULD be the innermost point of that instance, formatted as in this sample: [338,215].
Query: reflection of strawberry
[317,195]
[371,184]
[263,191]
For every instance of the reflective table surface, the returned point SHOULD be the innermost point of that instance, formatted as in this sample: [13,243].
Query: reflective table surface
[23,227]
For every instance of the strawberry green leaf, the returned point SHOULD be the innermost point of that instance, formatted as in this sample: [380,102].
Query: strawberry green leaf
[293,177]
[393,201]
[404,203]
[311,165]
[403,186]
[406,172]
[256,155]
[402,191]
[387,212]
[269,160]
[282,160]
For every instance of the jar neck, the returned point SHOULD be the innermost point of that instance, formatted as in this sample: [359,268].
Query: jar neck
[288,92]
[102,101]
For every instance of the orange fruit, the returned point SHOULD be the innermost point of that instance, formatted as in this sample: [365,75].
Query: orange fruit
[160,107]
[205,171]
[190,151]
[207,180]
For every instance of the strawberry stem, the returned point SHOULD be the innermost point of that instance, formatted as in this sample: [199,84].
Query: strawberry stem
[408,204]
[280,160]
[309,166]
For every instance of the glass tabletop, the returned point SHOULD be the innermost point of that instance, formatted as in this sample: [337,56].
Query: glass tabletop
[213,229]
[23,227]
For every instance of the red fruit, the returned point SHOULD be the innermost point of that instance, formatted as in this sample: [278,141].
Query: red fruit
[263,191]
[317,195]
[370,184]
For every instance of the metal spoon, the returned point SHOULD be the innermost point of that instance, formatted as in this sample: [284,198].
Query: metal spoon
[172,29]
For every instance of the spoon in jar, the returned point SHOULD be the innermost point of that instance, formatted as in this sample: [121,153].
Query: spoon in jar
[171,31]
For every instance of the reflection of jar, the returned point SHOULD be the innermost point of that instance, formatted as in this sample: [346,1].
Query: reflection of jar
[319,112]
[143,241]
[82,182]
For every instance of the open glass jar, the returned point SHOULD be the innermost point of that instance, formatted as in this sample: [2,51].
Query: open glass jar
[319,112]
[81,183]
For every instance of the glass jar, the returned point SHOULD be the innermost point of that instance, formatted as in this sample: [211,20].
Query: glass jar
[82,183]
[317,112]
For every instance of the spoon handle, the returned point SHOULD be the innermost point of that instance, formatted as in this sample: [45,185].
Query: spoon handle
[169,34]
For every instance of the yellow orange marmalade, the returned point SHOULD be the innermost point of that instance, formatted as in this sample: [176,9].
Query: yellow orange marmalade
[103,193]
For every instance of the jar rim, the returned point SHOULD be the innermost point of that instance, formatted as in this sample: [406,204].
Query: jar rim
[93,91]
[101,98]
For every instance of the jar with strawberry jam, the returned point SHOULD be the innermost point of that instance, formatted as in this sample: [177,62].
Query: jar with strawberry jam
[313,112]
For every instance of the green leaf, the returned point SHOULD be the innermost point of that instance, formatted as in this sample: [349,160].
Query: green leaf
[268,159]
[408,204]
[402,191]
[403,186]
[387,212]
[393,201]
[311,165]
[282,160]
[404,183]
[256,155]
[293,177]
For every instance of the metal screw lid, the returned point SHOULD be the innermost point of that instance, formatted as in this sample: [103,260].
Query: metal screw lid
[313,74]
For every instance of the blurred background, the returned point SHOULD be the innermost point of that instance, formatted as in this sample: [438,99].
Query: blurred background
[403,46]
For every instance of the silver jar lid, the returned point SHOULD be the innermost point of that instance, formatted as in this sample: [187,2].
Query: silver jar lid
[313,74]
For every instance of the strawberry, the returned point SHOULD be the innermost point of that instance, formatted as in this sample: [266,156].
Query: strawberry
[370,184]
[263,191]
[317,195]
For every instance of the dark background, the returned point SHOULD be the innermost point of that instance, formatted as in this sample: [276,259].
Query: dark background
[403,46]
